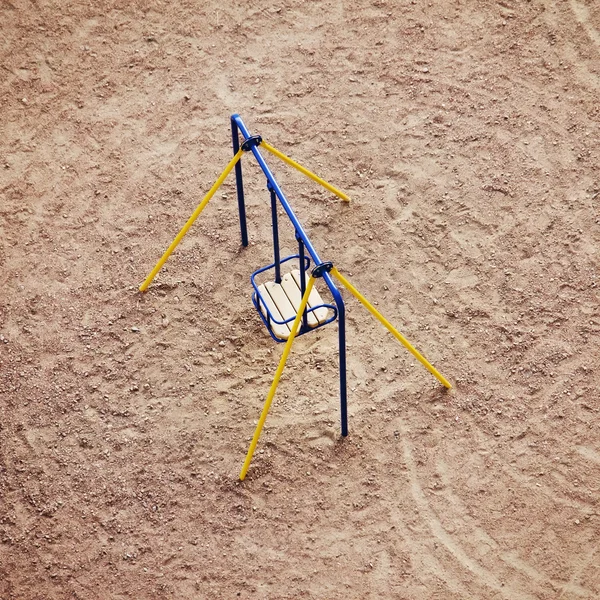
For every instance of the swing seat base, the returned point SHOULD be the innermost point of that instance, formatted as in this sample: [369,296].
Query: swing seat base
[278,303]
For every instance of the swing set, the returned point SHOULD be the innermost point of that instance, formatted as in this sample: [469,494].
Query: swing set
[290,304]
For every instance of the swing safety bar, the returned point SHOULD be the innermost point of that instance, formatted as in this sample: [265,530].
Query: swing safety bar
[269,318]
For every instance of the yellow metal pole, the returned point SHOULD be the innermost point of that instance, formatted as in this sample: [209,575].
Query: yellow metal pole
[190,221]
[306,172]
[391,328]
[271,394]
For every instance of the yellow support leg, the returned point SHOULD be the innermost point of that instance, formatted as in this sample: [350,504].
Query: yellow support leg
[271,394]
[190,221]
[391,328]
[304,171]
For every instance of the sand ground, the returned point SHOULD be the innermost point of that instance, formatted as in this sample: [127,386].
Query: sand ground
[467,135]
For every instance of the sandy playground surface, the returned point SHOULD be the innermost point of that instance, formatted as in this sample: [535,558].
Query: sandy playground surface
[467,134]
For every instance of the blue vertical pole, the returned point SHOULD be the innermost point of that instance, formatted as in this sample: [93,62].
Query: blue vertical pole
[339,302]
[302,278]
[239,182]
[343,383]
[277,260]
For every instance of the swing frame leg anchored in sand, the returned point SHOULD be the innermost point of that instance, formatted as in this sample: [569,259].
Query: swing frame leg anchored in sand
[289,306]
[318,272]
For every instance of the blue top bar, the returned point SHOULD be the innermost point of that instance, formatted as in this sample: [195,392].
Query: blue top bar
[277,190]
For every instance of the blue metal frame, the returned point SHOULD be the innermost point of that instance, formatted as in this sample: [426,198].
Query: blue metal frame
[237,126]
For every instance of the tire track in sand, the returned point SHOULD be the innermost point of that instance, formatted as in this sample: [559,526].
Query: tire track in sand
[582,14]
[486,578]
[511,557]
